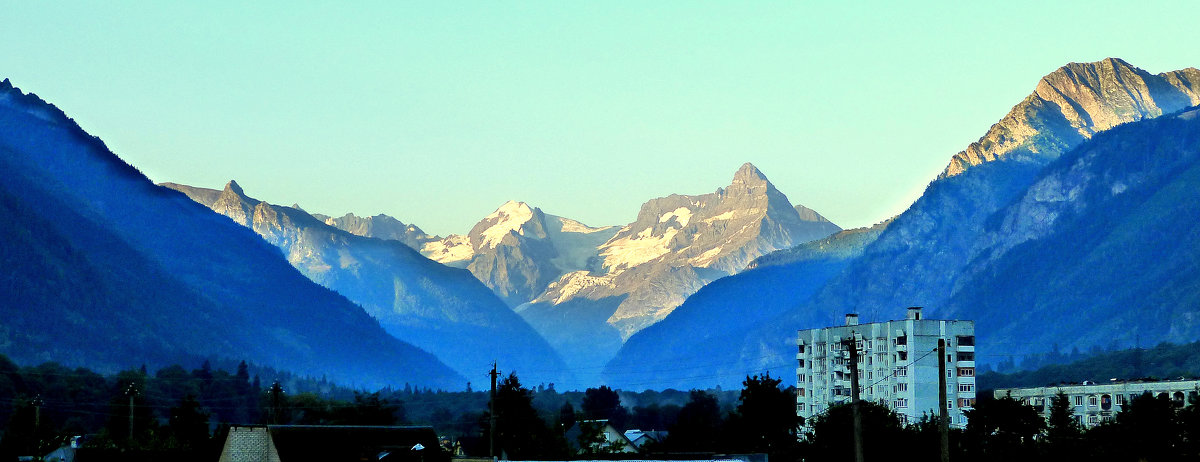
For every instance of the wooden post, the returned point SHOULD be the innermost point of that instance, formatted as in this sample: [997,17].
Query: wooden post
[943,412]
[854,407]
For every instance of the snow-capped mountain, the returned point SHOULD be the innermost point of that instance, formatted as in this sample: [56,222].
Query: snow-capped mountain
[977,227]
[676,245]
[518,250]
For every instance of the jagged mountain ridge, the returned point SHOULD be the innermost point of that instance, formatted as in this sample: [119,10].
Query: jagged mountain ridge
[676,245]
[106,270]
[924,253]
[381,227]
[695,339]
[443,310]
[703,237]
[1075,102]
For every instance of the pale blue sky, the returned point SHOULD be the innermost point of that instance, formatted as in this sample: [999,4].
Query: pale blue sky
[438,112]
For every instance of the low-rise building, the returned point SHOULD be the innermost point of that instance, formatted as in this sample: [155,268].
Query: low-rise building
[897,366]
[1093,403]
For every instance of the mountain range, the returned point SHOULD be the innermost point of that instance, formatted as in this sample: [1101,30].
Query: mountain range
[965,236]
[103,269]
[586,289]
[1077,204]
[440,309]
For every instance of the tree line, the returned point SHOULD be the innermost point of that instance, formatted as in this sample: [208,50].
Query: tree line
[175,409]
[1149,428]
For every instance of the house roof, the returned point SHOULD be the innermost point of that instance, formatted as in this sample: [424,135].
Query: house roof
[330,443]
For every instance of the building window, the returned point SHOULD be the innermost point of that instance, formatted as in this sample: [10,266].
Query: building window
[800,391]
[1093,420]
[801,363]
[1079,401]
[902,372]
[1120,400]
[903,355]
[966,372]
[902,340]
[800,407]
[1092,400]
[966,356]
[802,348]
[966,340]
[901,403]
[1106,402]
[966,387]
[966,402]
[902,387]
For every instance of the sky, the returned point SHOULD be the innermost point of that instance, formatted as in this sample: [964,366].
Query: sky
[438,112]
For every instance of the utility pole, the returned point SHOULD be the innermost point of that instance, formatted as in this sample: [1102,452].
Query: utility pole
[852,345]
[492,414]
[37,413]
[943,412]
[276,392]
[131,391]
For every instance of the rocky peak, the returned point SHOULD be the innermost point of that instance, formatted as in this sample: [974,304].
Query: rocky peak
[750,175]
[512,217]
[1074,102]
[234,188]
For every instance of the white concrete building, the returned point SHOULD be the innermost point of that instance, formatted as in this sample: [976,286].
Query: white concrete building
[1094,403]
[898,366]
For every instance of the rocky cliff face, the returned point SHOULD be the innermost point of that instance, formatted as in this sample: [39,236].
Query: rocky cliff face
[443,310]
[1073,103]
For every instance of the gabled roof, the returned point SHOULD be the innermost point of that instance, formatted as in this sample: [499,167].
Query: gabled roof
[332,443]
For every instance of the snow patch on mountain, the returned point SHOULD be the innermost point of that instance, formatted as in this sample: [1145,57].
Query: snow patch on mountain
[572,226]
[630,251]
[705,258]
[682,215]
[572,283]
[454,248]
[508,218]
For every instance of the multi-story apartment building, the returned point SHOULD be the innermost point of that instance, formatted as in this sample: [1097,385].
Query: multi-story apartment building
[1093,403]
[897,366]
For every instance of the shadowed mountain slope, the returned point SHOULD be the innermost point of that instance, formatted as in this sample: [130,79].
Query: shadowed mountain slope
[103,269]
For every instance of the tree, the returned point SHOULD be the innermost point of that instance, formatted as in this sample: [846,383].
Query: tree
[1063,433]
[832,437]
[1189,422]
[520,431]
[566,416]
[765,420]
[1003,429]
[369,409]
[604,404]
[188,424]
[1147,428]
[699,424]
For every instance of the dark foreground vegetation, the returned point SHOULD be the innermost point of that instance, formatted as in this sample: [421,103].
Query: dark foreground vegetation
[184,414]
